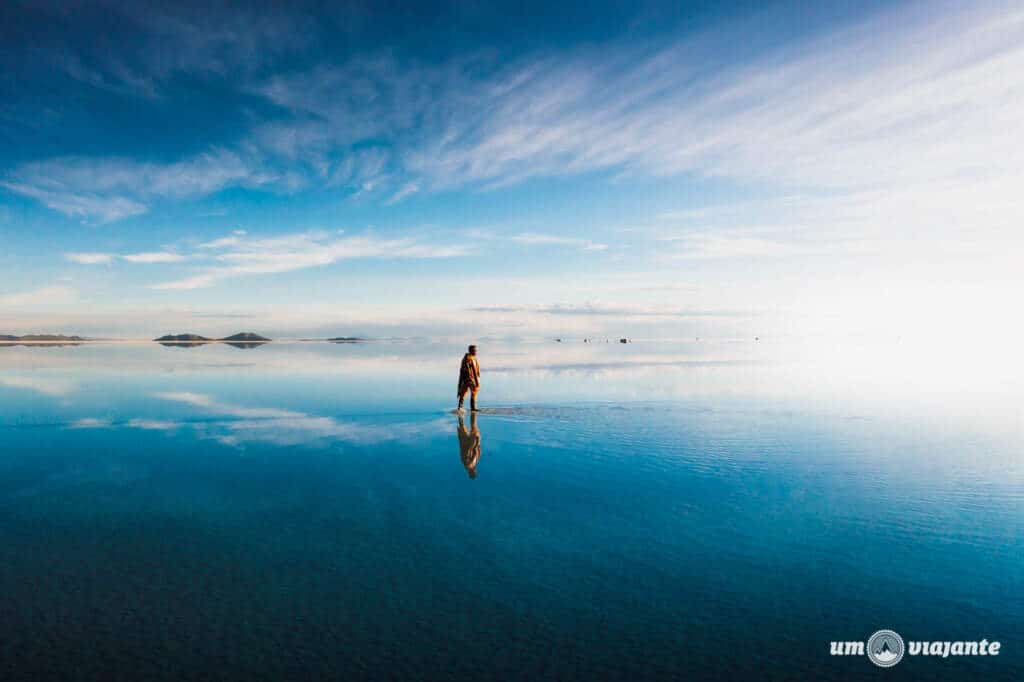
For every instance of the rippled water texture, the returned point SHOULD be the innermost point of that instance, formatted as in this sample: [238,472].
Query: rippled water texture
[641,511]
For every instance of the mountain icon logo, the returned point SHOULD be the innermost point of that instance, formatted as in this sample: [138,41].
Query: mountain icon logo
[885,648]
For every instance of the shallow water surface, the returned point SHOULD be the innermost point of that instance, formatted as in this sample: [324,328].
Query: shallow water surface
[649,511]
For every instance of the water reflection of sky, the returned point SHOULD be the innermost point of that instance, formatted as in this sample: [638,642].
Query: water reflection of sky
[642,493]
[305,394]
[321,380]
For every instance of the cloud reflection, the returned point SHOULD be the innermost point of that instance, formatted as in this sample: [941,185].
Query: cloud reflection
[51,386]
[289,427]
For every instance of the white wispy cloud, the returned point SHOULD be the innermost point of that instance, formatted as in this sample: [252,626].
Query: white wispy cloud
[715,245]
[146,257]
[296,251]
[89,258]
[154,257]
[232,239]
[79,203]
[897,137]
[911,95]
[109,189]
[408,189]
[221,243]
[51,295]
[533,238]
[611,310]
[969,215]
[194,282]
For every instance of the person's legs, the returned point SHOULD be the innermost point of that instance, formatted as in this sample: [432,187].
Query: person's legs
[462,397]
[472,399]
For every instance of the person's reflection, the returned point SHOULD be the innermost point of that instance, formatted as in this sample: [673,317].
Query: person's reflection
[469,444]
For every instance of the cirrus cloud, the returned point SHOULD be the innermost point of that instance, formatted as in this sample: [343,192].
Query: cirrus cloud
[110,189]
[146,257]
[286,253]
[89,258]
[51,295]
[154,257]
[910,95]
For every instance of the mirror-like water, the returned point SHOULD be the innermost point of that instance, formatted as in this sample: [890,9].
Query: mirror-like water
[642,511]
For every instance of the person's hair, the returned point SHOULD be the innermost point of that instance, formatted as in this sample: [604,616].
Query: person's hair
[472,348]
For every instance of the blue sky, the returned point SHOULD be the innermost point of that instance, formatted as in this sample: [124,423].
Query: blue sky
[641,169]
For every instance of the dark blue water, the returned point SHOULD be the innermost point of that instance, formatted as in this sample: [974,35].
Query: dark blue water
[303,512]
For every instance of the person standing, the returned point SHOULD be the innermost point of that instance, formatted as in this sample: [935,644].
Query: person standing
[469,378]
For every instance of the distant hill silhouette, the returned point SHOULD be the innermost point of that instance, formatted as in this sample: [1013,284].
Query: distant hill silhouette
[346,339]
[245,337]
[57,338]
[182,338]
[240,340]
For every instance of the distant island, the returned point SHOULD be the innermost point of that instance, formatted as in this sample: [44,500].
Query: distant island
[240,340]
[183,338]
[246,337]
[41,338]
[338,339]
[245,340]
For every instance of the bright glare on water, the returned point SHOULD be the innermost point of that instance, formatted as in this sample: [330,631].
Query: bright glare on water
[644,511]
